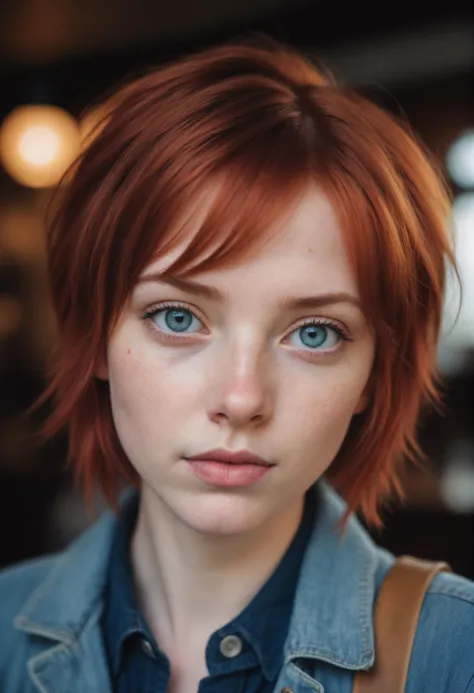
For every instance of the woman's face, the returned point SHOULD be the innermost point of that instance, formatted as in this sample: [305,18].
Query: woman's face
[243,366]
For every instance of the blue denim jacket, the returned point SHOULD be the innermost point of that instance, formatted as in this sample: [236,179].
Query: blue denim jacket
[51,639]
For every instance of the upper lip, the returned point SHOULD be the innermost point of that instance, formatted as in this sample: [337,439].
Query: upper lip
[239,457]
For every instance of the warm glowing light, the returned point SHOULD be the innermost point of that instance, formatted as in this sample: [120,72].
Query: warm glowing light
[37,144]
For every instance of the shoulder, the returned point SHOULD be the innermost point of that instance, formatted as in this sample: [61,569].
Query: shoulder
[443,649]
[444,641]
[449,606]
[19,581]
[453,587]
[52,588]
[448,610]
[49,600]
[17,584]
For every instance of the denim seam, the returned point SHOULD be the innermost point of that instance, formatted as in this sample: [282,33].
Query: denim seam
[44,657]
[364,605]
[365,621]
[22,622]
[51,653]
[39,592]
[456,593]
[329,657]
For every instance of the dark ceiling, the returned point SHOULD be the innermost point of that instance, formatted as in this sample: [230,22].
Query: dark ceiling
[48,30]
[39,32]
[66,51]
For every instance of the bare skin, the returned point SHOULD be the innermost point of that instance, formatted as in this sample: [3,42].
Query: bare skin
[242,377]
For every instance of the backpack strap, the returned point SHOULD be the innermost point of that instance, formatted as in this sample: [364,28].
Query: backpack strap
[396,618]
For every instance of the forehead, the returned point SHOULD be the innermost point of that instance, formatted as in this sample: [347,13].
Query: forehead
[303,247]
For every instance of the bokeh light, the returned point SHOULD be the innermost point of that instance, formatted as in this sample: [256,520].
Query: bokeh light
[460,160]
[37,144]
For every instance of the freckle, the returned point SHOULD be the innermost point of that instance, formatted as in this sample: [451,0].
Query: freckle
[128,352]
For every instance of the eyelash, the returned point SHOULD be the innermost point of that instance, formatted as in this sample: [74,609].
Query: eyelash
[339,329]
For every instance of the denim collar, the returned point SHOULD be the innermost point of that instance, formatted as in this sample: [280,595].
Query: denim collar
[332,617]
[332,613]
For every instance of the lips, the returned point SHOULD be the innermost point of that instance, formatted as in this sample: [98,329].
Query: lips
[239,457]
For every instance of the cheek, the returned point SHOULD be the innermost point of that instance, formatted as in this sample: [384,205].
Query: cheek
[141,393]
[151,389]
[323,413]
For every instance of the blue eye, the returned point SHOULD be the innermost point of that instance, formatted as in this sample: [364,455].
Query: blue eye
[316,336]
[173,318]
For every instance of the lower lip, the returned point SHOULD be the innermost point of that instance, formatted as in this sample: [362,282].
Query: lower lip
[225,474]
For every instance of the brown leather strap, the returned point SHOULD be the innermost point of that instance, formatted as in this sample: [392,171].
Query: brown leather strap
[396,618]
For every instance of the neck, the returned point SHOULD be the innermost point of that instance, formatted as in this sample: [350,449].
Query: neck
[190,584]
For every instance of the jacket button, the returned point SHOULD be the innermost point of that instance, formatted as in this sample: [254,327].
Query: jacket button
[286,689]
[147,648]
[231,646]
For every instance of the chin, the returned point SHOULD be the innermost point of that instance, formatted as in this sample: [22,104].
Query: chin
[222,515]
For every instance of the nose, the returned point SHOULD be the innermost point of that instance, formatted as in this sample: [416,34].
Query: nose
[242,390]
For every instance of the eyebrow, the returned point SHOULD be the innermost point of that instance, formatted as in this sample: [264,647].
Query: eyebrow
[213,294]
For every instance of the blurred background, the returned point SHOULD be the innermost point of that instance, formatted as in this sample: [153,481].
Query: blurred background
[58,57]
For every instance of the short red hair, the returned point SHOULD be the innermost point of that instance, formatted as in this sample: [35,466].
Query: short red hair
[267,123]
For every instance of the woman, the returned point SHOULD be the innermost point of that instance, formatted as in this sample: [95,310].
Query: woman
[247,266]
